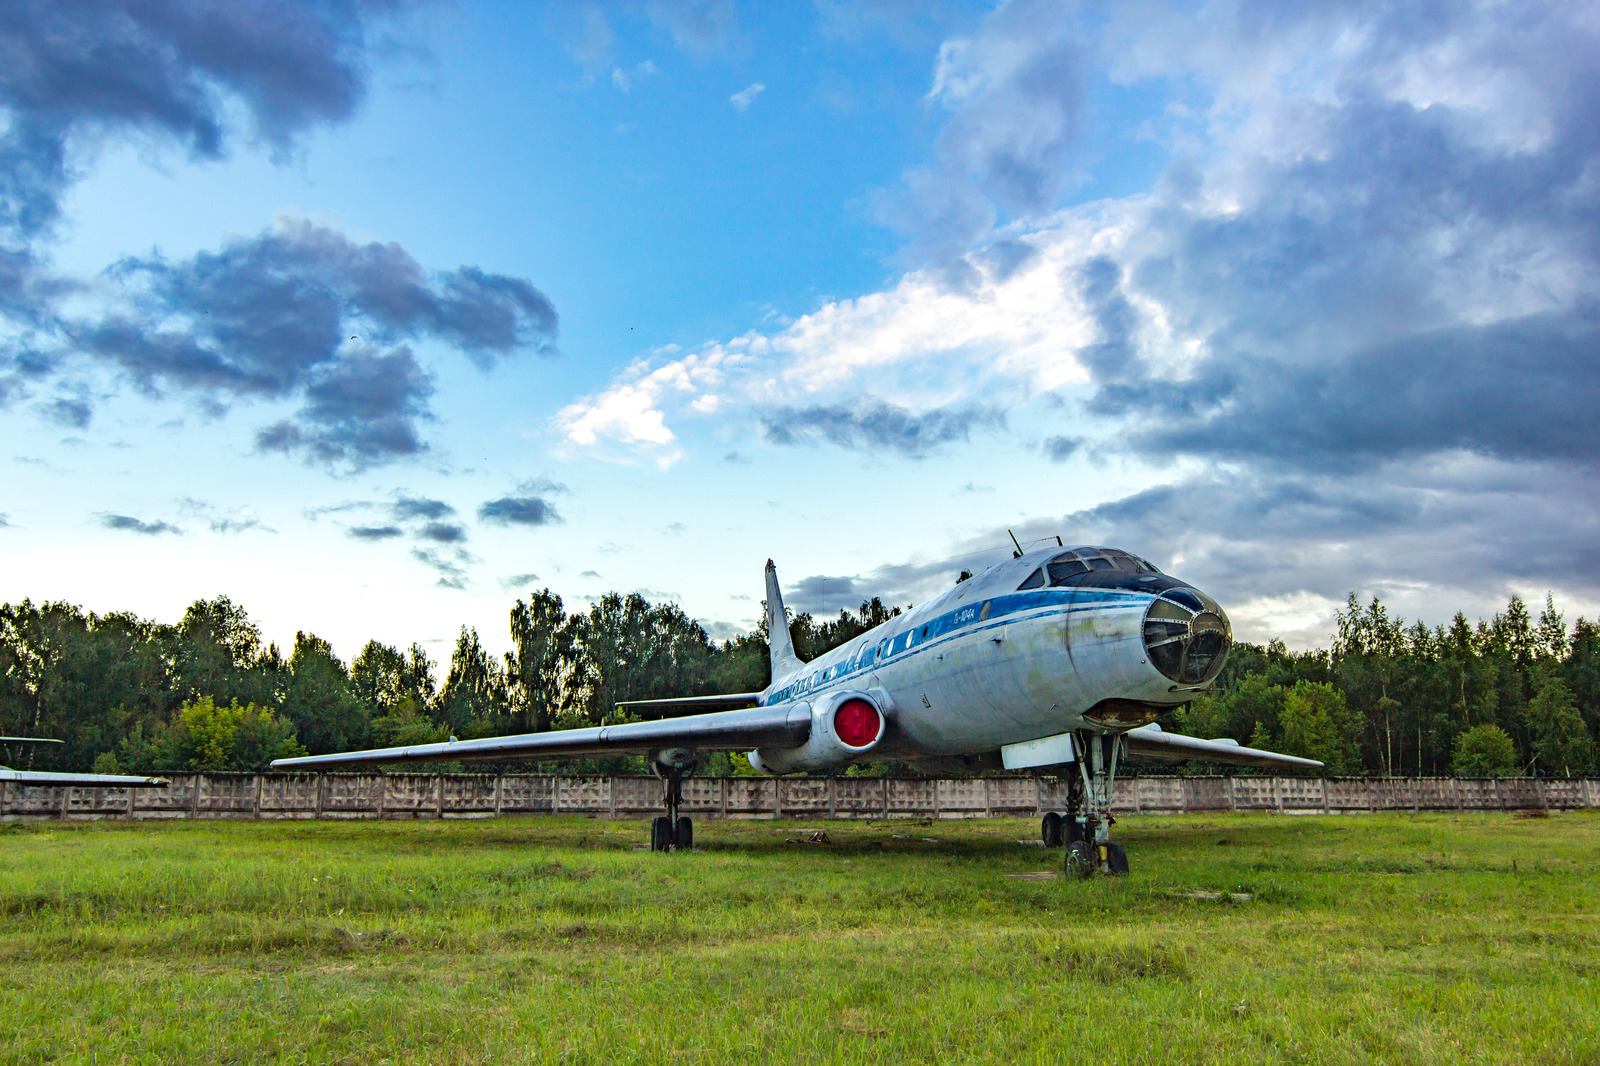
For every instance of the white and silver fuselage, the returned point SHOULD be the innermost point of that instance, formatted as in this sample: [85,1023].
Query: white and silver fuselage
[985,665]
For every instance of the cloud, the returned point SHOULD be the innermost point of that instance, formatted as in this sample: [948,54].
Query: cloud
[408,507]
[129,524]
[442,533]
[591,573]
[517,581]
[72,413]
[529,507]
[1014,92]
[1060,449]
[872,424]
[376,532]
[299,312]
[5,520]
[742,99]
[286,313]
[169,68]
[451,569]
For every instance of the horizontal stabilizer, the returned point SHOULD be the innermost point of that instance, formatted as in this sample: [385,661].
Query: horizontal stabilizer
[782,725]
[690,704]
[1153,743]
[50,779]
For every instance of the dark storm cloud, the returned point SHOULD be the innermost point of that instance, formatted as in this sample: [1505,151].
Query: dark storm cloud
[166,67]
[288,313]
[129,524]
[870,424]
[376,532]
[1526,388]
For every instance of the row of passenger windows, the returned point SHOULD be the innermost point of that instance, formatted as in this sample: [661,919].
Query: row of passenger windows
[1068,567]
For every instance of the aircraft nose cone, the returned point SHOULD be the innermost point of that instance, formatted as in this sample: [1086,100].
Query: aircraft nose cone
[1187,636]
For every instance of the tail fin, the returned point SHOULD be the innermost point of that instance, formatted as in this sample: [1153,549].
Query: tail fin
[779,646]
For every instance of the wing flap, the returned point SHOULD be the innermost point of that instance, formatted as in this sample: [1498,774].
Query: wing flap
[1154,743]
[692,704]
[784,725]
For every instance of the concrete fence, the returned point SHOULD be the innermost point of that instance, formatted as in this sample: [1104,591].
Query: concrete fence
[400,796]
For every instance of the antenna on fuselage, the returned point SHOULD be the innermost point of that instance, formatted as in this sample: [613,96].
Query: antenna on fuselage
[1018,553]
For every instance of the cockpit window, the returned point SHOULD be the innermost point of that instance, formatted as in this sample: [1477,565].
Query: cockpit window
[1102,568]
[1035,581]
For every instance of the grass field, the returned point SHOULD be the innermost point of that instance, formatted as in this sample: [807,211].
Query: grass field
[1385,938]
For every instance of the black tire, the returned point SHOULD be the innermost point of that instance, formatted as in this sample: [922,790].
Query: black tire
[1116,858]
[1071,830]
[1081,860]
[1050,830]
[683,839]
[660,833]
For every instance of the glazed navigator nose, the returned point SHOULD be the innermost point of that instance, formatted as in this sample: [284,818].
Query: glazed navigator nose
[1187,635]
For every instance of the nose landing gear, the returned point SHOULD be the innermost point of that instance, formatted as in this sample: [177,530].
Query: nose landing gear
[1086,827]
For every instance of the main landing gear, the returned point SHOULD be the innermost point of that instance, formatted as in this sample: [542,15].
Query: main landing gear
[672,831]
[1085,830]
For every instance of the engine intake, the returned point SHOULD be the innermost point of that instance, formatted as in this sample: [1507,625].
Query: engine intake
[844,727]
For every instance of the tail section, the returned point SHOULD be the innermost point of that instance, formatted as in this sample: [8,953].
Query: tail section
[779,646]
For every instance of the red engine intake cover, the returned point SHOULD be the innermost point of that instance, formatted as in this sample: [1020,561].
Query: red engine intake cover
[857,723]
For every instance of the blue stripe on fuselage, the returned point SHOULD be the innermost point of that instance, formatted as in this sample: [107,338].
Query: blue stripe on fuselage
[959,622]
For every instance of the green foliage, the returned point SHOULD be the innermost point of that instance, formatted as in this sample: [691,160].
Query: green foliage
[112,684]
[106,763]
[1561,743]
[1484,751]
[1317,724]
[204,736]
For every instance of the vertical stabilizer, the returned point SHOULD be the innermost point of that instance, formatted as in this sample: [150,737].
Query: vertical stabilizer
[779,646]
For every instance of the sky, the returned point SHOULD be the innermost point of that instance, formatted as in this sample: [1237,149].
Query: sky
[374,315]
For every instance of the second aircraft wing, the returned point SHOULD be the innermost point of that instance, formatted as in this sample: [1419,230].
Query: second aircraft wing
[782,725]
[1153,743]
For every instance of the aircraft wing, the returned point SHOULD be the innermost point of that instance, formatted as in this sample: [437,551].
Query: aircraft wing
[1153,743]
[784,725]
[49,778]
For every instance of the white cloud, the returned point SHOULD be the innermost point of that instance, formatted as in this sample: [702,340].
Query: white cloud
[742,99]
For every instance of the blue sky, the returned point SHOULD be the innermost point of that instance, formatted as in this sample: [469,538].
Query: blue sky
[373,318]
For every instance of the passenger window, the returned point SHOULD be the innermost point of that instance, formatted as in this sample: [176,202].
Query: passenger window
[1035,581]
[984,614]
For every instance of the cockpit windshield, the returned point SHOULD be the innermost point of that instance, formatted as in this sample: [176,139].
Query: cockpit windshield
[1099,568]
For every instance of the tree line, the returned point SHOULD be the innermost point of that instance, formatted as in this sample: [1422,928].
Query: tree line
[1510,695]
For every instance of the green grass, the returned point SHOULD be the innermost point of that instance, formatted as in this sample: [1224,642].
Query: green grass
[1387,938]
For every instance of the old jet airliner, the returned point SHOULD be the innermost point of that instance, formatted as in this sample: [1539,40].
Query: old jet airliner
[1059,658]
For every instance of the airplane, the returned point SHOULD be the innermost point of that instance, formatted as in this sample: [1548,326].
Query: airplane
[52,779]
[1057,658]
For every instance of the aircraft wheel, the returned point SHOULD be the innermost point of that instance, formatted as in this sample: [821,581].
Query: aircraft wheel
[1071,830]
[1116,858]
[1080,863]
[1050,830]
[684,837]
[660,833]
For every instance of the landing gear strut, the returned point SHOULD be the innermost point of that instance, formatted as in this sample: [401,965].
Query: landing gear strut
[672,832]
[1090,849]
